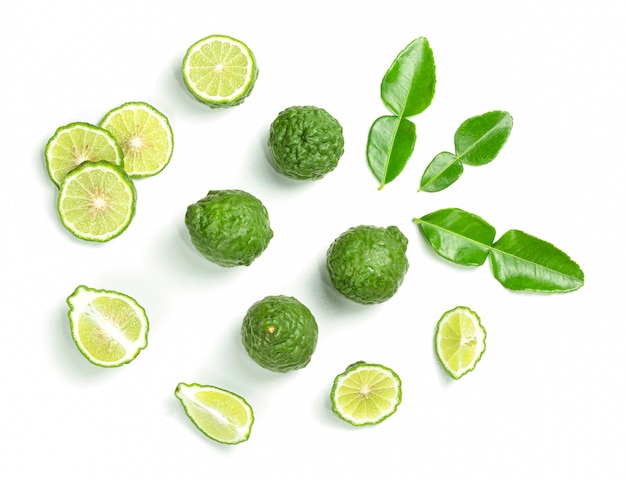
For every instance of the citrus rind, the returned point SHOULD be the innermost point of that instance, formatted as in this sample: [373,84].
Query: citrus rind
[107,323]
[460,338]
[221,415]
[144,135]
[355,400]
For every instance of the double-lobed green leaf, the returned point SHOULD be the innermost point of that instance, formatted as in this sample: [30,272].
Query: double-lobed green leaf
[407,89]
[477,141]
[519,261]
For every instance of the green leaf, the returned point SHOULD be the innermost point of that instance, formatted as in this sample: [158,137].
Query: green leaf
[389,146]
[522,262]
[479,139]
[408,87]
[457,235]
[442,172]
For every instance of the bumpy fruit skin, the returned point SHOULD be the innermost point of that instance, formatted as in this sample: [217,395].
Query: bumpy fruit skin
[367,264]
[305,142]
[279,333]
[229,227]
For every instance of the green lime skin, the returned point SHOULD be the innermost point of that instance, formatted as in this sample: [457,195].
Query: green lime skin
[305,142]
[367,264]
[279,333]
[229,227]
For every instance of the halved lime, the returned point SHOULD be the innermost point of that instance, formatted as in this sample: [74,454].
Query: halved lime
[76,143]
[96,201]
[366,393]
[220,70]
[459,341]
[221,415]
[145,136]
[110,328]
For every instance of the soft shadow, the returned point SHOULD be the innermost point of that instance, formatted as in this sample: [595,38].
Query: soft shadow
[175,86]
[265,169]
[71,361]
[340,305]
[179,255]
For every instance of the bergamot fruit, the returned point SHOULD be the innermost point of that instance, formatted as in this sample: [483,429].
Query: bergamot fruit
[279,333]
[367,264]
[305,142]
[229,227]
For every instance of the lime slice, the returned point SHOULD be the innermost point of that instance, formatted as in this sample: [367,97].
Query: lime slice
[220,70]
[109,328]
[145,136]
[366,393]
[459,341]
[76,143]
[221,415]
[96,201]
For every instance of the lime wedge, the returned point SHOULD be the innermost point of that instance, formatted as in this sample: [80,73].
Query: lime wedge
[109,328]
[220,70]
[145,136]
[366,394]
[96,201]
[459,341]
[221,415]
[76,143]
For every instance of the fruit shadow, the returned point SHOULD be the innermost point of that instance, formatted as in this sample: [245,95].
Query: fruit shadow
[340,306]
[266,170]
[70,360]
[176,87]
[180,257]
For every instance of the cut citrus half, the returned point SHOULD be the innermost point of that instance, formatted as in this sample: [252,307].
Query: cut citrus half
[76,143]
[145,136]
[459,341]
[96,201]
[366,394]
[221,415]
[220,70]
[110,328]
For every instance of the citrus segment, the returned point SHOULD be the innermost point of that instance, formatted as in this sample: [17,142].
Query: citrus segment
[144,135]
[220,70]
[459,341]
[109,328]
[96,201]
[221,415]
[366,394]
[76,143]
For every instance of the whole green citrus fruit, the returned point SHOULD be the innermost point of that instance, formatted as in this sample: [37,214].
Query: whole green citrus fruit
[367,264]
[279,333]
[229,227]
[305,142]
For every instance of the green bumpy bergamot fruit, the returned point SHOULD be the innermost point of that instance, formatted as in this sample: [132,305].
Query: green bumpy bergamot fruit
[279,333]
[305,142]
[367,264]
[229,227]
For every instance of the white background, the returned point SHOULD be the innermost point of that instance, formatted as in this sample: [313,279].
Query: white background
[546,401]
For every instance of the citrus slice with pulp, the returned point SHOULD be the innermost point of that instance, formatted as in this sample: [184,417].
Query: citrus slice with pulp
[220,70]
[145,136]
[109,328]
[366,393]
[221,415]
[459,341]
[76,143]
[96,201]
